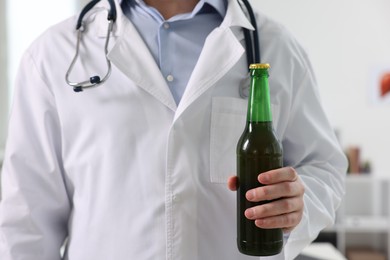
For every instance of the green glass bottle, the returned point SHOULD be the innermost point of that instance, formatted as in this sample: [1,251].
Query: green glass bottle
[258,150]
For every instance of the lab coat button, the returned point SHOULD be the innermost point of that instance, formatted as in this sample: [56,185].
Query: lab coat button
[166,25]
[175,198]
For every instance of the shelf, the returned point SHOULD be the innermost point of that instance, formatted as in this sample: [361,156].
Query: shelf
[366,224]
[337,227]
[363,219]
[319,250]
[365,177]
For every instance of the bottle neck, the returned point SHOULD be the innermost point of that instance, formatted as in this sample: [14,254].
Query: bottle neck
[259,127]
[259,104]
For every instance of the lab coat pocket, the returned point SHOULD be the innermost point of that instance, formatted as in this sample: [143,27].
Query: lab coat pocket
[275,108]
[228,117]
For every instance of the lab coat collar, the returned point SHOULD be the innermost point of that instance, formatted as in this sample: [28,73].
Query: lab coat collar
[213,63]
[101,19]
[235,17]
[133,58]
[221,51]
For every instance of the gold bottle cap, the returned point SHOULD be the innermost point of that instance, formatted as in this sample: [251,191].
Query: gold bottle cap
[259,66]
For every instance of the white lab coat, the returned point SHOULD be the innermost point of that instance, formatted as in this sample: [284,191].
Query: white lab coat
[127,174]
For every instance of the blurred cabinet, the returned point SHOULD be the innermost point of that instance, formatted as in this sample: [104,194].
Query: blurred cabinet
[363,220]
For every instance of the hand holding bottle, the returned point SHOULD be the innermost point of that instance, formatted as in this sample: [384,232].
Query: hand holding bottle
[284,188]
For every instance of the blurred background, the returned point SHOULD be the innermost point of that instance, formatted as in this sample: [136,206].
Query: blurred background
[21,22]
[349,45]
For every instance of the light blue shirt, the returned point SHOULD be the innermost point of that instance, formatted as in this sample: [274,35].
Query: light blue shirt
[175,43]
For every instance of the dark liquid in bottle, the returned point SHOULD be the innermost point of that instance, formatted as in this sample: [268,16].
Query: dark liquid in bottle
[258,151]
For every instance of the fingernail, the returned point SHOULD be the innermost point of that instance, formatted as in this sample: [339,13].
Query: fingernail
[249,195]
[259,222]
[249,213]
[263,178]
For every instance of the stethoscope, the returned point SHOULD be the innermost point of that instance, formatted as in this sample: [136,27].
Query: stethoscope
[251,45]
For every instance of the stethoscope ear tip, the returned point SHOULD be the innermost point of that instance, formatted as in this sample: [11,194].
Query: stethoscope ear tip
[77,89]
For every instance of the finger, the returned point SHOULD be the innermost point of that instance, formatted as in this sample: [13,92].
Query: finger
[278,175]
[287,221]
[287,230]
[275,191]
[232,183]
[275,208]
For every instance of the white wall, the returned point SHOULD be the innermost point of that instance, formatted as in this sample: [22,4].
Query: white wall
[21,22]
[3,76]
[348,41]
[26,20]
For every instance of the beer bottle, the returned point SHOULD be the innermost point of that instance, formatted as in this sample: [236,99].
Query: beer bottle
[258,150]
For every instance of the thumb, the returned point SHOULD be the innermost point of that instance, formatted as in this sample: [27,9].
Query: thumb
[232,183]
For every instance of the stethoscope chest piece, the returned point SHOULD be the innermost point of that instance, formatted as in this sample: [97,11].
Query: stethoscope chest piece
[244,87]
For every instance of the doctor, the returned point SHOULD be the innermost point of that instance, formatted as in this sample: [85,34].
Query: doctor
[137,168]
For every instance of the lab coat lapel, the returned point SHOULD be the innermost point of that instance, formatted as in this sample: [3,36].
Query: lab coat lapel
[134,59]
[214,62]
[221,51]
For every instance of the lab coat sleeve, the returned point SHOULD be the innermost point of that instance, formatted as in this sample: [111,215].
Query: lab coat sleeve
[311,147]
[35,206]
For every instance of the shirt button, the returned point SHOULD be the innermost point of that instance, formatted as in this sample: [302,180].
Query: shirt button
[166,25]
[170,78]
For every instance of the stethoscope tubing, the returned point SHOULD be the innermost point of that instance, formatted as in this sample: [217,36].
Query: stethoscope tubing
[251,37]
[252,45]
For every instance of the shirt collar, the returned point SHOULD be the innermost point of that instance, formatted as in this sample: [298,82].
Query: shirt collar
[220,7]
